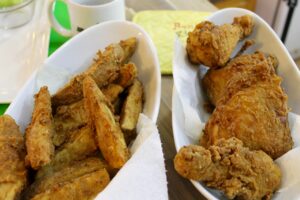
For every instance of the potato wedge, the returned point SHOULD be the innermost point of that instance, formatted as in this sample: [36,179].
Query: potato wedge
[110,138]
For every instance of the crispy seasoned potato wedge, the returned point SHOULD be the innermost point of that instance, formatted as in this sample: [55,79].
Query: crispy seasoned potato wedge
[104,71]
[128,73]
[68,118]
[110,138]
[13,174]
[67,174]
[39,145]
[131,109]
[80,145]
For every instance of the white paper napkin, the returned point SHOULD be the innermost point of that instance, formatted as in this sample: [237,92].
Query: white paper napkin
[187,84]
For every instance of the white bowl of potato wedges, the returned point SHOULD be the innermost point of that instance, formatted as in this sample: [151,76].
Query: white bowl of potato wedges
[79,111]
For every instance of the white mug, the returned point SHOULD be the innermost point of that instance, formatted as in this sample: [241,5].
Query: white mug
[86,13]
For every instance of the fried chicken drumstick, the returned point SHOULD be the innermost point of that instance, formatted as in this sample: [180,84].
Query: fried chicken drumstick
[228,166]
[212,45]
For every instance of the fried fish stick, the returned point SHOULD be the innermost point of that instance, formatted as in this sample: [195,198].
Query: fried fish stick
[84,187]
[104,71]
[66,174]
[68,118]
[81,144]
[110,138]
[38,136]
[131,109]
[13,174]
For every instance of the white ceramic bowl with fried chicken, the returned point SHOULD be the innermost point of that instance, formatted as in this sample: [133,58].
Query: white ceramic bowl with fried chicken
[266,41]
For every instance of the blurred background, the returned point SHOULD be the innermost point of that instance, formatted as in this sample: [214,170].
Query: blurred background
[282,15]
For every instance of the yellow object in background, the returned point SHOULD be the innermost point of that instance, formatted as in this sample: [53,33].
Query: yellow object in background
[6,3]
[162,27]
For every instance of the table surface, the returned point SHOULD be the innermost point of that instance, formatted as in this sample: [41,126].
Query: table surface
[178,187]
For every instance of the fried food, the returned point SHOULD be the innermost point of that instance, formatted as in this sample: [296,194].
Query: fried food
[80,145]
[128,73]
[131,110]
[38,136]
[104,71]
[67,119]
[212,45]
[241,72]
[257,115]
[228,166]
[68,178]
[13,174]
[112,92]
[110,138]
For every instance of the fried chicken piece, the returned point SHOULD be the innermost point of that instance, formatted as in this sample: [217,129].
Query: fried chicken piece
[80,145]
[13,174]
[104,71]
[212,45]
[67,179]
[241,72]
[228,166]
[110,138]
[38,136]
[131,110]
[257,115]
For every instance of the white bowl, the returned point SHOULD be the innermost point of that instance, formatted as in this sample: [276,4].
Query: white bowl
[266,41]
[77,54]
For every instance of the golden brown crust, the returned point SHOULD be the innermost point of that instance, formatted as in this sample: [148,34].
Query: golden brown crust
[212,45]
[104,71]
[13,174]
[39,146]
[228,166]
[110,138]
[131,110]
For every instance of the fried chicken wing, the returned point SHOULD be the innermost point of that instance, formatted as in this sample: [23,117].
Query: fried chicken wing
[131,110]
[38,136]
[257,115]
[212,45]
[80,145]
[13,174]
[241,72]
[110,138]
[228,166]
[104,71]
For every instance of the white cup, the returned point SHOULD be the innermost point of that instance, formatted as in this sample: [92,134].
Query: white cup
[86,13]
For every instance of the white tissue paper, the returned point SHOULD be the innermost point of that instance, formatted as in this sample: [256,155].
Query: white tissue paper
[187,84]
[144,175]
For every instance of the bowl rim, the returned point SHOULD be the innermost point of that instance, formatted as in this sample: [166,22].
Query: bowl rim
[7,9]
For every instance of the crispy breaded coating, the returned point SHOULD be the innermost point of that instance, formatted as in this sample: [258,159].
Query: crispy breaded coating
[104,71]
[38,136]
[80,145]
[228,166]
[212,45]
[65,176]
[128,73]
[85,187]
[13,174]
[112,92]
[110,138]
[257,115]
[131,110]
[240,73]
[67,119]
